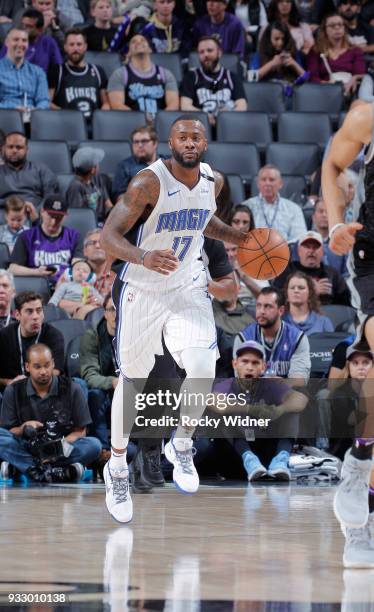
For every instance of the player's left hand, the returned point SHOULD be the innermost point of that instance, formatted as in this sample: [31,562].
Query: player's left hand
[343,238]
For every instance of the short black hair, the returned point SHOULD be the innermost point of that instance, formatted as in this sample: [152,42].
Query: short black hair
[277,292]
[75,32]
[37,348]
[15,133]
[26,296]
[33,13]
[187,117]
[214,37]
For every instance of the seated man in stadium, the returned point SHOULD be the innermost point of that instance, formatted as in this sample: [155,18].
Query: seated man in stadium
[96,257]
[144,143]
[99,34]
[29,329]
[320,225]
[89,188]
[77,85]
[98,369]
[49,248]
[330,286]
[287,355]
[166,32]
[141,85]
[30,180]
[7,294]
[17,217]
[270,209]
[211,87]
[23,86]
[43,50]
[222,23]
[55,403]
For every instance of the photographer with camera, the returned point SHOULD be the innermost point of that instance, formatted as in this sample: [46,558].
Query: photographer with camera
[43,424]
[29,329]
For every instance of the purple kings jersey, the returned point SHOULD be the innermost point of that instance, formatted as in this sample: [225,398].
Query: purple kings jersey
[44,251]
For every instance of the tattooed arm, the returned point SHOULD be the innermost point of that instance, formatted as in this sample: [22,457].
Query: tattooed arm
[143,191]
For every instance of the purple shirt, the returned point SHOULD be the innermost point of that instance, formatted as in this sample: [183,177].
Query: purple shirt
[42,52]
[269,391]
[352,60]
[230,31]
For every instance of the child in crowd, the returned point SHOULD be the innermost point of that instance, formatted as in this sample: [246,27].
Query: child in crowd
[17,214]
[76,294]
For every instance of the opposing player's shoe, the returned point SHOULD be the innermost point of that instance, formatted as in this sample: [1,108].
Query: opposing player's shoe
[185,475]
[117,498]
[359,546]
[278,467]
[253,466]
[351,499]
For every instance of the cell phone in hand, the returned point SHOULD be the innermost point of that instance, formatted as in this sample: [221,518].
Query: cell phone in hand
[52,269]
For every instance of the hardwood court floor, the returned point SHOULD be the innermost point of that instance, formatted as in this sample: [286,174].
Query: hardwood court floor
[228,548]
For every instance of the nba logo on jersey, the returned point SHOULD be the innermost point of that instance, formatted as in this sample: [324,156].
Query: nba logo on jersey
[131,296]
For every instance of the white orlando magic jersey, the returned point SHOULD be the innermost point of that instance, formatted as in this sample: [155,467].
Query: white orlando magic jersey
[177,222]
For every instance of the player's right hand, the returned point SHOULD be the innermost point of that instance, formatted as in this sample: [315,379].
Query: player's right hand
[343,238]
[162,262]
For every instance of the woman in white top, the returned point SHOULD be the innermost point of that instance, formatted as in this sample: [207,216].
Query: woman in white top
[252,14]
[287,12]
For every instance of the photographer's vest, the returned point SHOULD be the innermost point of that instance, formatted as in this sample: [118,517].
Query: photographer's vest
[60,405]
[278,357]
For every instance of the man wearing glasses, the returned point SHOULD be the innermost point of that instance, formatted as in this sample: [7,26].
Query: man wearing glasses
[360,33]
[144,143]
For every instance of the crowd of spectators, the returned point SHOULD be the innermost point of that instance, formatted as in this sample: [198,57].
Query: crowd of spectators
[52,58]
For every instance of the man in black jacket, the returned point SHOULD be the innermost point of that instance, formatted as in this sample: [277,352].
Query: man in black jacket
[55,403]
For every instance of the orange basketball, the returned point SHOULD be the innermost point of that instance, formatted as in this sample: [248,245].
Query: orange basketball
[264,255]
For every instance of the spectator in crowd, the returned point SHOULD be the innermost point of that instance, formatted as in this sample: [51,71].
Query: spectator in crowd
[7,294]
[30,329]
[330,286]
[100,33]
[140,84]
[30,180]
[222,23]
[286,11]
[144,143]
[76,293]
[43,50]
[313,11]
[277,57]
[279,403]
[23,85]
[89,189]
[302,305]
[17,213]
[333,53]
[360,33]
[253,17]
[8,10]
[321,226]
[55,22]
[286,347]
[96,257]
[241,218]
[270,209]
[211,87]
[131,8]
[49,248]
[165,32]
[2,141]
[98,369]
[248,288]
[77,11]
[32,403]
[77,85]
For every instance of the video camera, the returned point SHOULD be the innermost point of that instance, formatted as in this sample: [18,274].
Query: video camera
[45,443]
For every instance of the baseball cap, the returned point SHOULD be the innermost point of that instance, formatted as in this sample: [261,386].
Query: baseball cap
[311,236]
[54,204]
[87,157]
[357,349]
[250,345]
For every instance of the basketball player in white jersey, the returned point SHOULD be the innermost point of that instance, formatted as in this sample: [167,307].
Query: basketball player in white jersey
[164,293]
[353,506]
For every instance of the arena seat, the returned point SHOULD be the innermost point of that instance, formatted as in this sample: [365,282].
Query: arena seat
[115,125]
[301,159]
[321,98]
[114,153]
[39,284]
[248,127]
[68,125]
[64,181]
[109,62]
[294,188]
[234,158]
[305,128]
[321,349]
[70,329]
[72,357]
[231,61]
[237,190]
[4,255]
[81,219]
[54,313]
[4,29]
[53,153]
[164,119]
[170,61]
[95,316]
[265,97]
[11,121]
[339,314]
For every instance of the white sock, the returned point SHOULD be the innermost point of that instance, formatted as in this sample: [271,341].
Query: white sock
[182,444]
[117,462]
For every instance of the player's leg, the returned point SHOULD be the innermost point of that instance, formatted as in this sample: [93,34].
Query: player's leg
[359,544]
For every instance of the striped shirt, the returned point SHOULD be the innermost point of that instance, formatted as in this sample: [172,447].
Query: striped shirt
[25,85]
